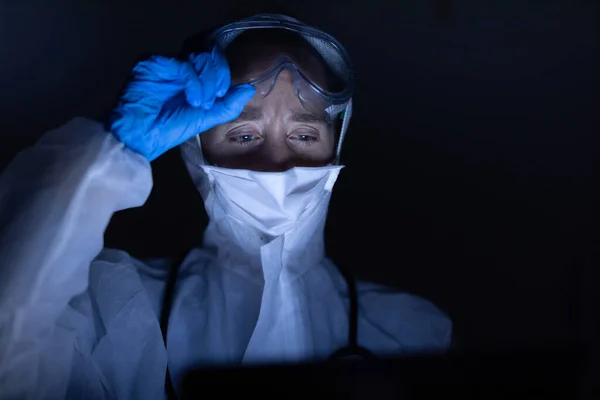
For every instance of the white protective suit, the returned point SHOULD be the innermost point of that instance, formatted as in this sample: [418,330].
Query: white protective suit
[80,321]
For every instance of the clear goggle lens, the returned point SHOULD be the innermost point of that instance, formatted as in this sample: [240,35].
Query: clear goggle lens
[258,57]
[312,96]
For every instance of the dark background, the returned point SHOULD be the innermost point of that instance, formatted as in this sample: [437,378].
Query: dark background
[469,175]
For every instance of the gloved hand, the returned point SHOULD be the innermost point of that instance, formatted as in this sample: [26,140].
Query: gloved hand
[168,101]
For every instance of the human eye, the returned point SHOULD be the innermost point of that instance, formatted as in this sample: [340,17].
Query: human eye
[243,138]
[305,138]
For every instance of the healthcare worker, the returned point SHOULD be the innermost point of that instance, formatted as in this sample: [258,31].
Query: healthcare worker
[261,118]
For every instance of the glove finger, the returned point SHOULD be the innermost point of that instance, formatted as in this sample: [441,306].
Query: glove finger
[194,90]
[199,61]
[159,69]
[206,72]
[153,82]
[229,107]
[223,72]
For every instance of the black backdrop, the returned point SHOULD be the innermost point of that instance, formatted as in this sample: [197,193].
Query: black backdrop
[469,173]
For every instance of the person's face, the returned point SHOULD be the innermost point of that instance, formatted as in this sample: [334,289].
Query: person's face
[273,134]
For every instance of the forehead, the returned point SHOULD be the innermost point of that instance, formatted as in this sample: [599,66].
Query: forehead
[283,102]
[282,98]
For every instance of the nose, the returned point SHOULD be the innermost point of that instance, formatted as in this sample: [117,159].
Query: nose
[275,156]
[275,163]
[275,167]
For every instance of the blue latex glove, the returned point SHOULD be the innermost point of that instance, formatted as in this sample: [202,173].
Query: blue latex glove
[168,101]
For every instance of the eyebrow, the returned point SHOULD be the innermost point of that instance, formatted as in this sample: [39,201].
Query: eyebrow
[308,117]
[251,113]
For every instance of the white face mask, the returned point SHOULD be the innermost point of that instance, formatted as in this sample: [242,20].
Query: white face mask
[271,202]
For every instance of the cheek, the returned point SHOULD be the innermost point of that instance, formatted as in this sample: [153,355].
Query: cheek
[331,139]
[329,146]
[208,137]
[210,144]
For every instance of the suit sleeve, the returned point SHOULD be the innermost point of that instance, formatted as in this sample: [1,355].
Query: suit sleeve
[56,199]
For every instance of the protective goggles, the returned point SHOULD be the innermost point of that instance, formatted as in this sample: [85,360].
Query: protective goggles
[319,90]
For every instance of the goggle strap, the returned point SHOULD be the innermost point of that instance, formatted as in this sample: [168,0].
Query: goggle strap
[345,115]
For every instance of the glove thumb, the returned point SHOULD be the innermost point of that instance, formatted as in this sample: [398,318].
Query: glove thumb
[229,107]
